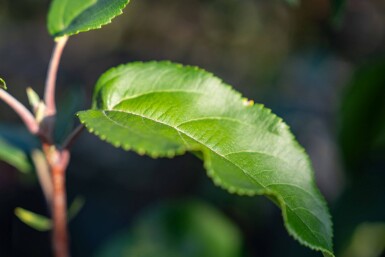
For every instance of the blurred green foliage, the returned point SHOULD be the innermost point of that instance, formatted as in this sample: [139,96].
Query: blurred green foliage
[338,11]
[16,145]
[36,221]
[43,223]
[14,156]
[363,116]
[368,240]
[188,229]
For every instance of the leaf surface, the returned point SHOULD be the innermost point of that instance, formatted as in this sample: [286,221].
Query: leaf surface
[69,17]
[165,109]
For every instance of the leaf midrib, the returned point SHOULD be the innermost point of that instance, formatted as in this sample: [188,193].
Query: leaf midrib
[314,234]
[66,26]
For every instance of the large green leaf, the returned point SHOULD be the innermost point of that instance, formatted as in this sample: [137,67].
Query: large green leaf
[165,109]
[69,17]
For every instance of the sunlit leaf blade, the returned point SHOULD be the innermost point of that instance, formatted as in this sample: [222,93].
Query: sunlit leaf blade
[69,17]
[188,229]
[3,85]
[35,221]
[166,109]
[14,156]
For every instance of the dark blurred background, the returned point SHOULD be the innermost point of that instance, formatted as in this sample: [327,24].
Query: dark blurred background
[318,64]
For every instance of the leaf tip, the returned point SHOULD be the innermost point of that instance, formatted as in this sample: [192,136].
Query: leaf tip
[3,85]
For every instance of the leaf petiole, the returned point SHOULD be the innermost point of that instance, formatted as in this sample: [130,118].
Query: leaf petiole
[21,110]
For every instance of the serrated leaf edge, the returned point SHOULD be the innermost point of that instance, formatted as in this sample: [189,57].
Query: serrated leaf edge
[217,181]
[120,12]
[210,172]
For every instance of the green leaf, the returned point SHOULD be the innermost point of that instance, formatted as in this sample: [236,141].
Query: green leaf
[188,229]
[43,223]
[76,207]
[14,156]
[69,17]
[3,85]
[165,109]
[36,221]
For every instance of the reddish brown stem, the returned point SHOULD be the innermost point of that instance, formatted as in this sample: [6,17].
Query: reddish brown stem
[21,110]
[58,161]
[50,85]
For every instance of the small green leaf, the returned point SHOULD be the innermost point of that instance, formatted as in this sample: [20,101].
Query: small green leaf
[36,221]
[37,104]
[33,98]
[76,207]
[166,109]
[14,156]
[69,17]
[3,85]
[42,223]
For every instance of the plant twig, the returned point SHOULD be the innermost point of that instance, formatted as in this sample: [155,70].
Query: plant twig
[69,141]
[22,111]
[50,86]
[59,162]
[57,159]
